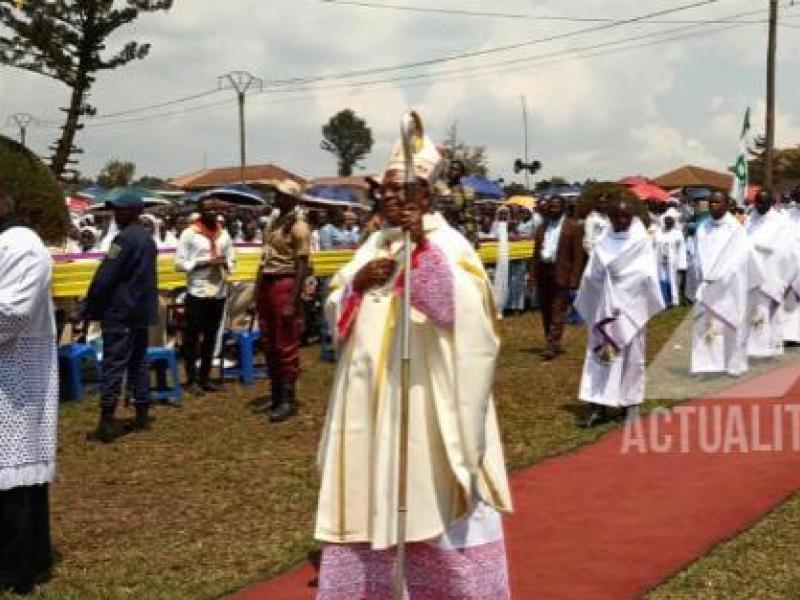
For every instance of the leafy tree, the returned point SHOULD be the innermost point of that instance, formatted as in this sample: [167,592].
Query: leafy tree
[116,173]
[153,183]
[612,191]
[786,164]
[789,167]
[755,165]
[475,158]
[546,184]
[66,40]
[40,202]
[347,137]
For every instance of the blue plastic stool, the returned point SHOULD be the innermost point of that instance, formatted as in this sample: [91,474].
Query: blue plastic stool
[158,356]
[246,349]
[70,360]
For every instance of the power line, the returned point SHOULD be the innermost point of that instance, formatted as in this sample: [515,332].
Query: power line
[537,57]
[505,15]
[149,107]
[498,49]
[595,50]
[599,49]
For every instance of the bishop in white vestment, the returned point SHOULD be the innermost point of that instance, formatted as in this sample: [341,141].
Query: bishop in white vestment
[726,271]
[775,253]
[457,483]
[619,294]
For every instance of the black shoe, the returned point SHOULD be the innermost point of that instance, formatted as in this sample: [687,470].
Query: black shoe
[210,387]
[193,389]
[630,413]
[548,354]
[284,411]
[143,419]
[276,395]
[594,416]
[107,429]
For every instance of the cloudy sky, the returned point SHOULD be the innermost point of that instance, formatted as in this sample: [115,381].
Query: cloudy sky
[602,104]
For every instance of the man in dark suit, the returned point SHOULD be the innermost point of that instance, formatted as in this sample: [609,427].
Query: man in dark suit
[558,261]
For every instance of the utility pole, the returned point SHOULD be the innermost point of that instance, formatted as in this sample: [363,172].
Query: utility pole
[22,121]
[769,155]
[241,82]
[525,129]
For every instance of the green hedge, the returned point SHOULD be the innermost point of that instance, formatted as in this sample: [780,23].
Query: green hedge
[40,202]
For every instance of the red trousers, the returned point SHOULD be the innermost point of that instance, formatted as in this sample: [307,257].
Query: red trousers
[280,335]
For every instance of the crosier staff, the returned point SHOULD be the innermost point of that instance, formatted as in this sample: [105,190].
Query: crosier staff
[412,133]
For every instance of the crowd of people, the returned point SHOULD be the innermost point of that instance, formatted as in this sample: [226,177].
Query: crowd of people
[616,267]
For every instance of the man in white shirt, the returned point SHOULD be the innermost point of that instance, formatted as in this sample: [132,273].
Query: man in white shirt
[671,260]
[206,254]
[28,403]
[726,272]
[774,244]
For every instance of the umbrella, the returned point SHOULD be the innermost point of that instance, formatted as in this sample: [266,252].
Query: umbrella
[528,202]
[237,193]
[334,193]
[483,188]
[99,201]
[649,191]
[633,180]
[91,191]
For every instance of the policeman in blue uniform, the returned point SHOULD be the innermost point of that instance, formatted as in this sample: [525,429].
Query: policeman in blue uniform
[123,296]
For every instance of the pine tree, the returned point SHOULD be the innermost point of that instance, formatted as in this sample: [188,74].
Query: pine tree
[66,40]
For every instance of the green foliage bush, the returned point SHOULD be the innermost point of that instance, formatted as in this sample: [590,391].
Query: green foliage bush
[611,190]
[40,202]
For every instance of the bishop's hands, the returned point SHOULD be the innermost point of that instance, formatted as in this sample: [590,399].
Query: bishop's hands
[374,274]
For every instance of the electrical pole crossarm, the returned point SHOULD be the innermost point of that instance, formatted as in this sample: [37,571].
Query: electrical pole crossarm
[241,82]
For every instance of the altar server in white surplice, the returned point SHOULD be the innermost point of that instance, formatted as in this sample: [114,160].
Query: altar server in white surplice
[726,272]
[774,242]
[671,259]
[457,484]
[790,309]
[619,294]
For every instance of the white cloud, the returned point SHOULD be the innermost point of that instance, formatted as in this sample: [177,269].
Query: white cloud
[645,110]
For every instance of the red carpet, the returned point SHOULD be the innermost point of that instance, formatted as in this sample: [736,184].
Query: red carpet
[597,523]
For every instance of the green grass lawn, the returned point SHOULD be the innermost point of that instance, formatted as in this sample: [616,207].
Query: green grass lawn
[214,497]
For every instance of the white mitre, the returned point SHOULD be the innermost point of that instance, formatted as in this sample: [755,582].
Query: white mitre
[428,162]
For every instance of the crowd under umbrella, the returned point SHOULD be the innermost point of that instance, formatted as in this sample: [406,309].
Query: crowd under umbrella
[484,188]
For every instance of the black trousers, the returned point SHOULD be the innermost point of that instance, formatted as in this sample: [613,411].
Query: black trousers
[25,550]
[124,351]
[203,318]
